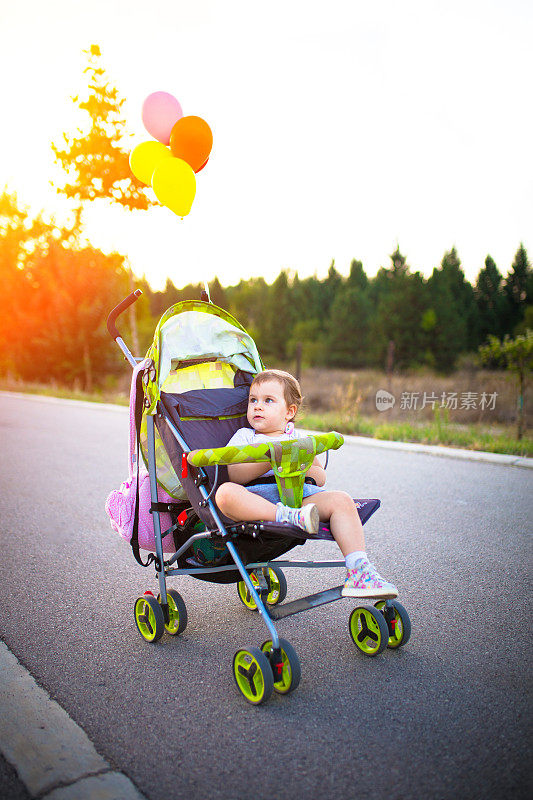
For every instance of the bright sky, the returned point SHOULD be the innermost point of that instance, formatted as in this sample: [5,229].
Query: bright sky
[341,128]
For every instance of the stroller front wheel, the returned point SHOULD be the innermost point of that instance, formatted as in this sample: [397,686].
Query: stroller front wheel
[399,624]
[177,613]
[291,671]
[149,618]
[369,631]
[253,675]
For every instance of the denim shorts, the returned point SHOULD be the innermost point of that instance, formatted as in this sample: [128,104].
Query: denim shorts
[270,491]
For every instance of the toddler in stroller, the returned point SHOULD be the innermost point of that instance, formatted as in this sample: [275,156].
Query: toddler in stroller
[273,402]
[200,388]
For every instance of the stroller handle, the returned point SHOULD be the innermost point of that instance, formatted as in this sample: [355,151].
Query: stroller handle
[122,306]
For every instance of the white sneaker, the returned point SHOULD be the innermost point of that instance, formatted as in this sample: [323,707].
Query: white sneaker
[364,581]
[306,517]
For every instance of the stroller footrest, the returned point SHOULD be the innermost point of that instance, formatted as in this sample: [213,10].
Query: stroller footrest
[305,603]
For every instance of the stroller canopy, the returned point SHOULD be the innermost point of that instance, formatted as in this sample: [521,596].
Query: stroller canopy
[191,333]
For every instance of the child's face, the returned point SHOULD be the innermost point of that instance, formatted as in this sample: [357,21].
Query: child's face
[268,411]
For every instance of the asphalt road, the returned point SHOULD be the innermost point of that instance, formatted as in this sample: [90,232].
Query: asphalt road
[446,716]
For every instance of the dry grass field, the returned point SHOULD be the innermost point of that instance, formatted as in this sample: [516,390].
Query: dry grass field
[353,393]
[472,408]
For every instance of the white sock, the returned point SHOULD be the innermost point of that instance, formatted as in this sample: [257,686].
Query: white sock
[352,558]
[285,513]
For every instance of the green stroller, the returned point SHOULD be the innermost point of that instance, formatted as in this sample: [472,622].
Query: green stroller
[192,395]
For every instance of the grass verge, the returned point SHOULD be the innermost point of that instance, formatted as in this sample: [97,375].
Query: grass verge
[491,439]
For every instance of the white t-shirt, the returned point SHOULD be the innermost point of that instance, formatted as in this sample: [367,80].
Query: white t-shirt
[246,436]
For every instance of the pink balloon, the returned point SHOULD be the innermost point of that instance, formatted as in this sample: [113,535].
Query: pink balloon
[160,113]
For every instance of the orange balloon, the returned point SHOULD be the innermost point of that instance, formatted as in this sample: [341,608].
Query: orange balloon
[191,139]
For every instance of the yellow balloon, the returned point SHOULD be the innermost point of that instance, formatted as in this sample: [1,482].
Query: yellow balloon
[146,157]
[174,184]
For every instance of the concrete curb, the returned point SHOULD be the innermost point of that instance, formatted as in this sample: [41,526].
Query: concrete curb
[52,755]
[412,447]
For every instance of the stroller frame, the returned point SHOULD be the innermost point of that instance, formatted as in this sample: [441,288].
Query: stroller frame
[382,624]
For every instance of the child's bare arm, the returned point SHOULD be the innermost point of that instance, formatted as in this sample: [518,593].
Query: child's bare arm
[243,473]
[317,472]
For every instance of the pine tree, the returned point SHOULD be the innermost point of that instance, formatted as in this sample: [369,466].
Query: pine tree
[518,290]
[452,299]
[280,315]
[398,303]
[489,300]
[349,321]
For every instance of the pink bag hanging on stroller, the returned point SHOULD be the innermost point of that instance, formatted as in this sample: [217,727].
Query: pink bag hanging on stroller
[120,505]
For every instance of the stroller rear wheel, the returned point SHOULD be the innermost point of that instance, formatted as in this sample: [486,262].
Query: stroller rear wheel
[369,631]
[399,623]
[277,593]
[290,671]
[149,618]
[177,613]
[253,675]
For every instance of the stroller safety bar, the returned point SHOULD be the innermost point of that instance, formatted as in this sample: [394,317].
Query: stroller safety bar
[290,460]
[317,443]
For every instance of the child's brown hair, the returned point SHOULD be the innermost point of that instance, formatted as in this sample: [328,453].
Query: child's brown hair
[291,388]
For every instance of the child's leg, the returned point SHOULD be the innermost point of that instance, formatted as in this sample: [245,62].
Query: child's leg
[362,580]
[339,509]
[236,502]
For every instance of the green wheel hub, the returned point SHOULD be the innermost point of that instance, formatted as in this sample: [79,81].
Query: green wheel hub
[277,592]
[253,675]
[291,672]
[368,630]
[149,618]
[177,613]
[244,594]
[398,623]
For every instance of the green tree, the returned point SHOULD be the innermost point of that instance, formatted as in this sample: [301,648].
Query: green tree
[452,298]
[517,356]
[248,302]
[279,319]
[489,299]
[349,320]
[329,290]
[217,293]
[64,326]
[399,302]
[518,289]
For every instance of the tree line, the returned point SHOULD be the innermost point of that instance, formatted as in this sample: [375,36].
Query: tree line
[350,321]
[57,292]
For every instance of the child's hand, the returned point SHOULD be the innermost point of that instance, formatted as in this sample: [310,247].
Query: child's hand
[191,454]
